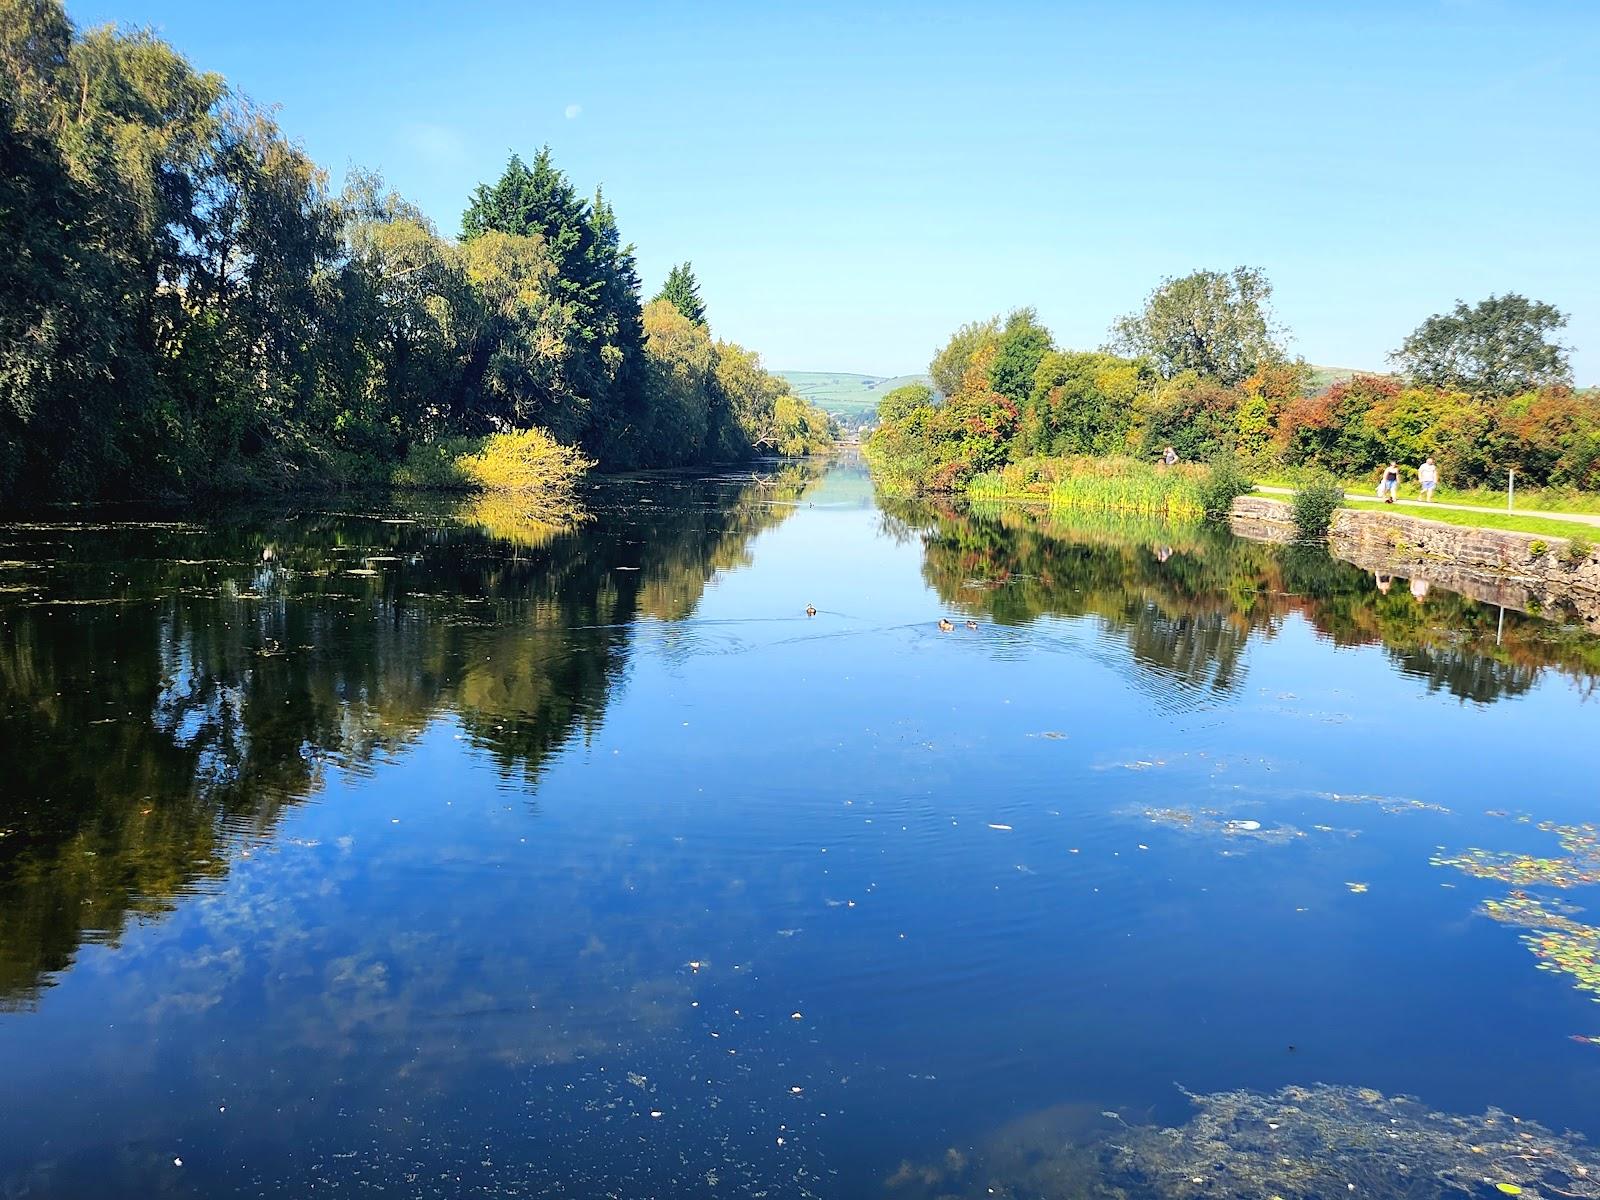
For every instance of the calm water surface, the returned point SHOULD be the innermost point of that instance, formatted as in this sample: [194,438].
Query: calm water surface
[435,851]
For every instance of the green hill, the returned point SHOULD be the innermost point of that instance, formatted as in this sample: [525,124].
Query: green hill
[854,398]
[1323,378]
[846,395]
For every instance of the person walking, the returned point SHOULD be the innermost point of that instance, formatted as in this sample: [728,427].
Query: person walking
[1390,483]
[1428,477]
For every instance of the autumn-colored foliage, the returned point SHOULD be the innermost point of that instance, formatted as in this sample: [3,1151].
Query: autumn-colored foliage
[1099,404]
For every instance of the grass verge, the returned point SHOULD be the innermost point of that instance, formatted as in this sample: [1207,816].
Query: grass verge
[1516,522]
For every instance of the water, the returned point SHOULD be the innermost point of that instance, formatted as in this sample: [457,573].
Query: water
[431,850]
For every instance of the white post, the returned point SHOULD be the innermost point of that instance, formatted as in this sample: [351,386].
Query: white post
[1511,488]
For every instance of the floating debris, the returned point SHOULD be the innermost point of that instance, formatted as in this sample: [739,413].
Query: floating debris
[1559,941]
[1580,868]
[1388,804]
[1214,821]
[1359,889]
[1299,1143]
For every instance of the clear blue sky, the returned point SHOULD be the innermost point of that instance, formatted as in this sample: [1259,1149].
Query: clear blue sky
[853,181]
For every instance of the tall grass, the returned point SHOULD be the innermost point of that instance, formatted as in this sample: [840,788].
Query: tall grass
[1109,484]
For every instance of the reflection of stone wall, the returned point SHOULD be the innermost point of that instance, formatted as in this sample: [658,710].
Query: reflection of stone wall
[1495,566]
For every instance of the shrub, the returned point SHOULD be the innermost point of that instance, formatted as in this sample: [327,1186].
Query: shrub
[1538,548]
[1223,483]
[527,460]
[1314,505]
[436,464]
[1579,551]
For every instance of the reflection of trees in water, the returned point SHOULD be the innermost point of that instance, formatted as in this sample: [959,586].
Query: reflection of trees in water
[165,691]
[1187,599]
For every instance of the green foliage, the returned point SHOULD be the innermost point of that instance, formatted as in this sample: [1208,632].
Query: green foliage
[185,307]
[1211,381]
[1224,482]
[1314,505]
[1498,347]
[950,365]
[940,447]
[1082,404]
[899,404]
[800,428]
[1122,485]
[1579,551]
[1022,344]
[1218,325]
[682,291]
[1538,548]
[714,401]
[436,466]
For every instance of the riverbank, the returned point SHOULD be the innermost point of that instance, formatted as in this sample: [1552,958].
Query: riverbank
[1541,522]
[1523,571]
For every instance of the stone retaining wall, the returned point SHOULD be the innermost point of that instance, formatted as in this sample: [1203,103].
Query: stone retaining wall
[1526,571]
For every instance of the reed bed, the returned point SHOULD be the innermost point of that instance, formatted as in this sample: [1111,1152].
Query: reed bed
[1122,485]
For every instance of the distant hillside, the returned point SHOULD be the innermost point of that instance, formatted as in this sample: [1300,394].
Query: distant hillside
[852,397]
[1323,378]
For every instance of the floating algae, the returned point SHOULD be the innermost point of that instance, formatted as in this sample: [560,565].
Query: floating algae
[1299,1143]
[1211,821]
[1388,804]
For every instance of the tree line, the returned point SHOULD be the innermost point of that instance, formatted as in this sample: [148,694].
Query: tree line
[187,305]
[1203,367]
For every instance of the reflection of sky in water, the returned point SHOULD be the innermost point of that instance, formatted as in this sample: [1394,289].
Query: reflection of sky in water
[915,919]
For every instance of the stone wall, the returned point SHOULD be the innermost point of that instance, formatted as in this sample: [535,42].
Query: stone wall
[1524,571]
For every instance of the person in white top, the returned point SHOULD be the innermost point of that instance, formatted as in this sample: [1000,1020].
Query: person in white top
[1428,477]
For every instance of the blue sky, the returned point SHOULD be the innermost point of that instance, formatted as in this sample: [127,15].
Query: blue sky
[852,181]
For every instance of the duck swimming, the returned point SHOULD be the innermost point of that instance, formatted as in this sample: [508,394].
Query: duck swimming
[945,625]
[811,610]
[972,624]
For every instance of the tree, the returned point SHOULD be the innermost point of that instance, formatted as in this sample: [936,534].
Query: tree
[900,403]
[1022,344]
[949,366]
[185,308]
[1498,347]
[679,365]
[1216,324]
[1082,403]
[540,200]
[682,291]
